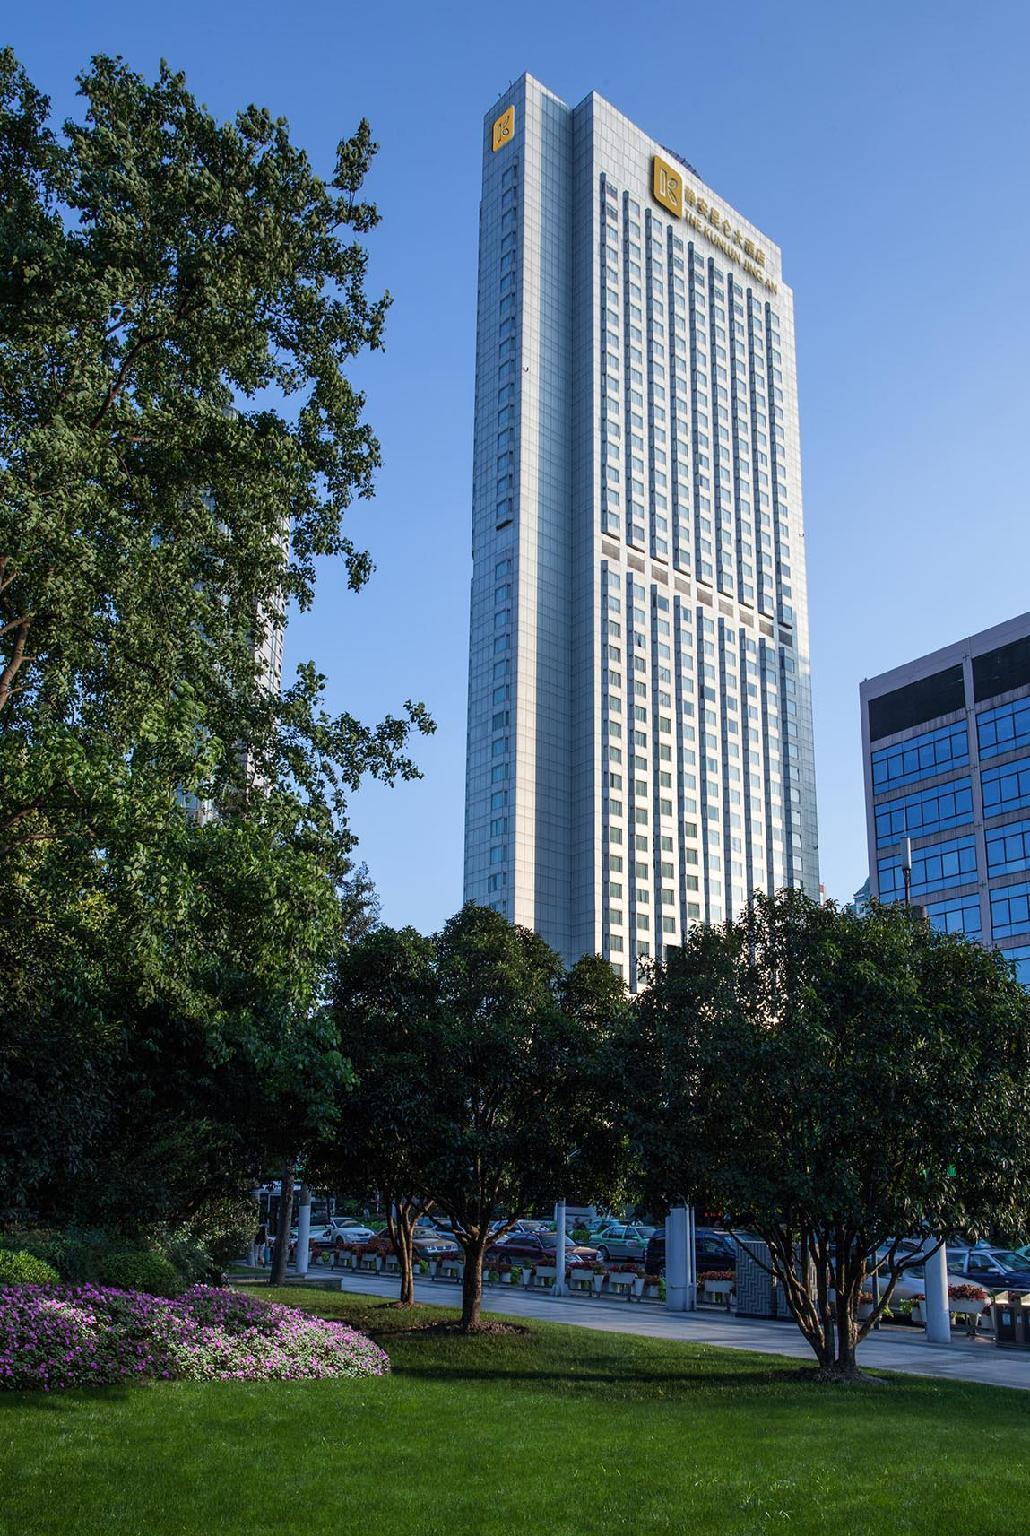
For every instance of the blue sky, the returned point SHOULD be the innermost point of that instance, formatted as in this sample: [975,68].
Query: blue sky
[883,146]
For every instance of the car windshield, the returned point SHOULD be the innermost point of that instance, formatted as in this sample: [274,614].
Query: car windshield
[1009,1260]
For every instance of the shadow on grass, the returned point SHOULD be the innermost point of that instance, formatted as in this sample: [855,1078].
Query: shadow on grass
[70,1397]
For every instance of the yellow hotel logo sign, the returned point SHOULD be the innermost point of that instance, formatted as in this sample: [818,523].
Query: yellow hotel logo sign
[672,192]
[504,129]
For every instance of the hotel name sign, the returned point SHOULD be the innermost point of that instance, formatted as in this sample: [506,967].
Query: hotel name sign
[672,192]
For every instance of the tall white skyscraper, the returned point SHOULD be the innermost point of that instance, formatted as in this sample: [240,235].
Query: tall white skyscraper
[640,731]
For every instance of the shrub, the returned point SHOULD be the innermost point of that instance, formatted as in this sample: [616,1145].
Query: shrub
[21,1268]
[137,1270]
[63,1336]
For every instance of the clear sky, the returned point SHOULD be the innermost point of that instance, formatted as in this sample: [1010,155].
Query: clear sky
[883,146]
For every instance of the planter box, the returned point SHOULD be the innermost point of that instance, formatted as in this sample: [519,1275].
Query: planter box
[580,1282]
[620,1284]
[966,1308]
[721,1290]
[392,1265]
[546,1275]
[598,1283]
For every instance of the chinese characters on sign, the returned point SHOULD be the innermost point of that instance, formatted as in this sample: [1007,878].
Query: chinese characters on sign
[672,192]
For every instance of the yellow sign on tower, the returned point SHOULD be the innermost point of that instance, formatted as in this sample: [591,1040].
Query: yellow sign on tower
[504,128]
[668,186]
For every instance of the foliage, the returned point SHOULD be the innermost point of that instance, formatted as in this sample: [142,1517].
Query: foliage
[54,1337]
[132,1270]
[180,301]
[484,1079]
[20,1268]
[384,994]
[837,1083]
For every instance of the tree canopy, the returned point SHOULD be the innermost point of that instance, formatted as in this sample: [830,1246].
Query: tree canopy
[836,1084]
[180,301]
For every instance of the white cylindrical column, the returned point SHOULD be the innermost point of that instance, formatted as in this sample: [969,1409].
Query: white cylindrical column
[935,1289]
[559,1249]
[676,1259]
[690,1303]
[303,1229]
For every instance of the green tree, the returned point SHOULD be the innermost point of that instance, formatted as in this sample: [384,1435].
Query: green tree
[837,1084]
[517,1064]
[384,1004]
[180,299]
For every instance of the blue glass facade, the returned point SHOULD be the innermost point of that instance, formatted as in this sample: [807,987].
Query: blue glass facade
[947,749]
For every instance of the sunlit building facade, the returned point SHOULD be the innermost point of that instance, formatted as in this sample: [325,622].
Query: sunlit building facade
[640,752]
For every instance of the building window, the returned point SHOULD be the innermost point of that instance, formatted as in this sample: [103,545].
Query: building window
[1004,729]
[1008,848]
[1007,788]
[960,915]
[930,811]
[932,752]
[933,869]
[1010,911]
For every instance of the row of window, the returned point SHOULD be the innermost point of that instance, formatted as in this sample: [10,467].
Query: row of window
[1004,729]
[929,810]
[930,753]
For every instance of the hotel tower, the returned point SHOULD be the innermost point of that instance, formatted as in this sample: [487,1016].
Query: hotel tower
[640,730]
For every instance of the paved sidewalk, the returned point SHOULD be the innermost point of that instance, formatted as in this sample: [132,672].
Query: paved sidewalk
[890,1350]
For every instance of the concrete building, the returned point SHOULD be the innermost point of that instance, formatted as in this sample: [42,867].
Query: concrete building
[946,744]
[640,749]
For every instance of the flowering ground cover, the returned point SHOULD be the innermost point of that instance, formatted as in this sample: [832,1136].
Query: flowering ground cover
[57,1337]
[554,1428]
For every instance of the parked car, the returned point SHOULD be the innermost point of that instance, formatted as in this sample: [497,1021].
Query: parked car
[537,1248]
[621,1240]
[427,1244]
[347,1228]
[715,1250]
[996,1269]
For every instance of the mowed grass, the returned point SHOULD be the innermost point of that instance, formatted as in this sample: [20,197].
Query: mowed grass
[558,1430]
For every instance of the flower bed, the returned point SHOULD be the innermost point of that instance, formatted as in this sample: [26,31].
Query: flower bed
[71,1336]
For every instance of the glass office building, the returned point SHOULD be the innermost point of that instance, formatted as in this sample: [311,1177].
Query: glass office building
[640,748]
[946,741]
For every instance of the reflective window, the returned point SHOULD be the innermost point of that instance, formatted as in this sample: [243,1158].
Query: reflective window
[1005,728]
[1008,848]
[1019,959]
[1010,911]
[931,810]
[960,915]
[932,752]
[933,869]
[1007,788]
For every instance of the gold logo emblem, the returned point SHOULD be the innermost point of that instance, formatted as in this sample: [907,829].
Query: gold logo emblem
[667,185]
[504,129]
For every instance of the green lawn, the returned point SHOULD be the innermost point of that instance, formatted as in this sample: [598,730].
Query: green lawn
[560,1431]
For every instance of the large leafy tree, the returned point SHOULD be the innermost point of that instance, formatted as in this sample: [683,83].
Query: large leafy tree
[180,298]
[837,1084]
[518,1066]
[385,998]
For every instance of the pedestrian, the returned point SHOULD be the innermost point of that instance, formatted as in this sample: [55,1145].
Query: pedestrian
[261,1243]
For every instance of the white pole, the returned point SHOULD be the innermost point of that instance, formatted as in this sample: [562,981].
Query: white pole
[303,1229]
[935,1290]
[676,1259]
[691,1298]
[559,1249]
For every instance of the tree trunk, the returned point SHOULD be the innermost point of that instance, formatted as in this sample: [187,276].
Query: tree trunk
[400,1223]
[281,1251]
[472,1285]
